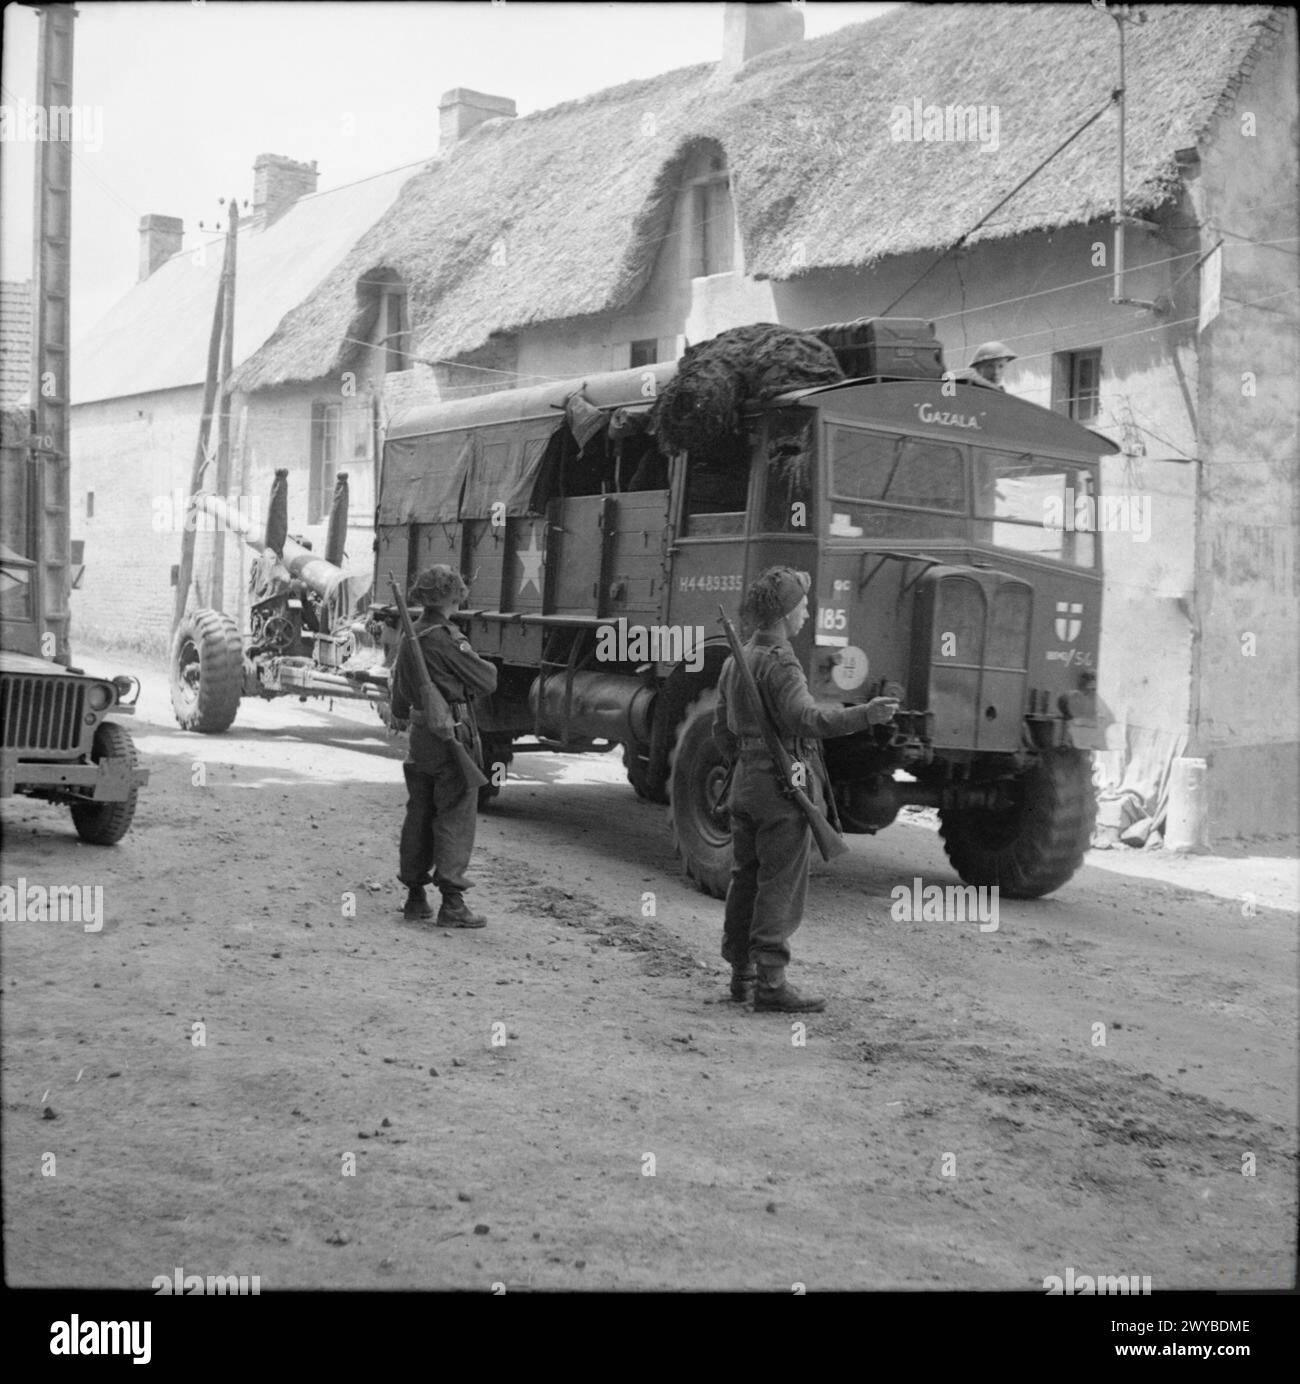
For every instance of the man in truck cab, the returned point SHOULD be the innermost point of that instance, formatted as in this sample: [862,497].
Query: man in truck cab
[771,839]
[441,808]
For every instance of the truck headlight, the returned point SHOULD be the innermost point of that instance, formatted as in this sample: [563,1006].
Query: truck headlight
[100,696]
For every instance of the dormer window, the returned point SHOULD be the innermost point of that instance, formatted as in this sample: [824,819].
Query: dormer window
[395,330]
[713,220]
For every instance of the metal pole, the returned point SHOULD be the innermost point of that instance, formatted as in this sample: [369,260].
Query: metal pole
[51,261]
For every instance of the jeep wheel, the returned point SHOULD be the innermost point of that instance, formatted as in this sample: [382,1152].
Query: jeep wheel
[497,750]
[207,671]
[696,776]
[1035,846]
[106,823]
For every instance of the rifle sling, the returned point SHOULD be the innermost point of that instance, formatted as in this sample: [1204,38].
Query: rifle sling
[787,789]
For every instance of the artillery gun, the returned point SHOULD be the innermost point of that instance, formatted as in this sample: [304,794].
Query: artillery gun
[307,633]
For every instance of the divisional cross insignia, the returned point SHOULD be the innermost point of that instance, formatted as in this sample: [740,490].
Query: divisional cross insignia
[1068,624]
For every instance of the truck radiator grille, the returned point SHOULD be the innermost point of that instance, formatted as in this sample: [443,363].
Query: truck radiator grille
[42,714]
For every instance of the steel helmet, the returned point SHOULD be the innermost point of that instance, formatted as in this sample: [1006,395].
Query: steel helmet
[992,350]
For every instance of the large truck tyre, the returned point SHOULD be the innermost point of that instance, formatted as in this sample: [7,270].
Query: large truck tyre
[207,671]
[106,823]
[1034,847]
[696,776]
[637,764]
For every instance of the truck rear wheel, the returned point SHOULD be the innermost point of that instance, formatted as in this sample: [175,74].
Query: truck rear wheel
[1035,846]
[106,823]
[207,671]
[696,775]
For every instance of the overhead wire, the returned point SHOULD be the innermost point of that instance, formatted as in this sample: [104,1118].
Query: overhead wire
[966,235]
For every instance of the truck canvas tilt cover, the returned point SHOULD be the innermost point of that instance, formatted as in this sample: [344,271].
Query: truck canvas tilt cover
[926,507]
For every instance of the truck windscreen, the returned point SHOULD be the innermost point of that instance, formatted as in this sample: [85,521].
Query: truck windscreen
[886,486]
[1035,505]
[891,486]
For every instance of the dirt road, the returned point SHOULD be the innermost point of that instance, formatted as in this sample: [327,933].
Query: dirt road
[567,1098]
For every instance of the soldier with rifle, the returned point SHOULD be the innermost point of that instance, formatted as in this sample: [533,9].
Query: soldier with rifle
[769,728]
[435,674]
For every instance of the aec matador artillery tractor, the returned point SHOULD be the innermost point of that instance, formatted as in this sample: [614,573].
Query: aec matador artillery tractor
[600,533]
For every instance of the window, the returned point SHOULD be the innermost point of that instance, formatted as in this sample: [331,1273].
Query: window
[909,471]
[1077,385]
[1035,505]
[396,338]
[788,488]
[644,353]
[324,459]
[90,504]
[713,222]
[717,490]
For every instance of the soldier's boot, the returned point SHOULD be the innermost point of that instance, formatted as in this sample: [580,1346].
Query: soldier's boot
[775,994]
[456,913]
[417,907]
[742,983]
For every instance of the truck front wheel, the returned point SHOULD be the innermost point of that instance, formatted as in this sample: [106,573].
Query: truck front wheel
[696,777]
[106,823]
[207,672]
[1034,846]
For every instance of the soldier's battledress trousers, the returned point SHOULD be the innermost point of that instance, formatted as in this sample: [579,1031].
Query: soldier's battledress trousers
[441,818]
[771,852]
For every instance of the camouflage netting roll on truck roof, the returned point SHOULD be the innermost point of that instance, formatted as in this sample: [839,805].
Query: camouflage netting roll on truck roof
[700,408]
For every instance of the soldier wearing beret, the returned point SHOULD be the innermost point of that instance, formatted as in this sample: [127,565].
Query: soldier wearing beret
[441,807]
[771,839]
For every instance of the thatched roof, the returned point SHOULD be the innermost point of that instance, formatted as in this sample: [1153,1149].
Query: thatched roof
[559,214]
[156,335]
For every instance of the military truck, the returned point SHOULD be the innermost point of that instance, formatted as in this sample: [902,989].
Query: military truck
[936,516]
[59,744]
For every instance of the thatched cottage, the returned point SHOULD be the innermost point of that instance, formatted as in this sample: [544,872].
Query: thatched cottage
[806,182]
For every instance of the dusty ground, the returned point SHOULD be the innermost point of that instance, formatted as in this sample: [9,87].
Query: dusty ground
[527,1164]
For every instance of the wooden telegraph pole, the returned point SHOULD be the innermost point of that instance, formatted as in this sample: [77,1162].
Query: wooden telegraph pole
[225,297]
[218,600]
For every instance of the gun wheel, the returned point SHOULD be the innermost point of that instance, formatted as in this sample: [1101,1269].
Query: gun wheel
[207,671]
[696,776]
[1036,845]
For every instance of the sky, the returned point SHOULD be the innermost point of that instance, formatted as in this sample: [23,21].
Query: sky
[182,97]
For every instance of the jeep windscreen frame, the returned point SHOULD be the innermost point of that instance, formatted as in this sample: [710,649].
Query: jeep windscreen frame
[951,493]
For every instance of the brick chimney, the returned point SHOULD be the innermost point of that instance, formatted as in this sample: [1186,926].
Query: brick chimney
[748,30]
[462,110]
[160,239]
[278,182]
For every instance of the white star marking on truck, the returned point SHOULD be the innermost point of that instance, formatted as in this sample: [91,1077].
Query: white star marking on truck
[530,559]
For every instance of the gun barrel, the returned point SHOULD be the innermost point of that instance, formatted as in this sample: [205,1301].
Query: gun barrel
[321,576]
